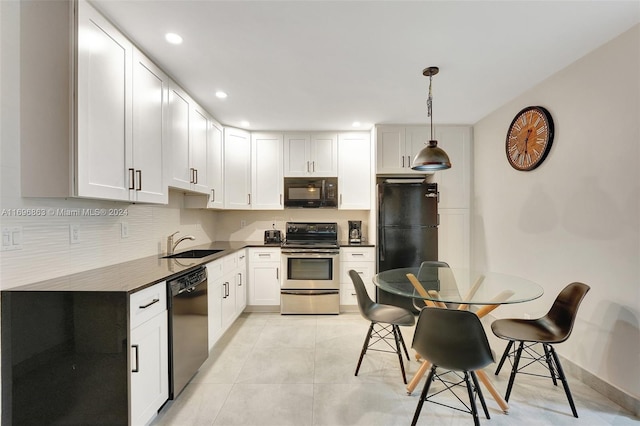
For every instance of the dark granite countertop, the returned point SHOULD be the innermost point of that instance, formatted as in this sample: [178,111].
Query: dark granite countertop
[137,274]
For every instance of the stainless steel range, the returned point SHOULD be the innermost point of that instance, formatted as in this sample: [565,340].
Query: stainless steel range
[311,282]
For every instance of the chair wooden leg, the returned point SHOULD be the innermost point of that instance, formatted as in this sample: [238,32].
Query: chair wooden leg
[563,378]
[514,370]
[480,395]
[398,338]
[504,356]
[423,395]
[364,347]
[472,399]
[418,376]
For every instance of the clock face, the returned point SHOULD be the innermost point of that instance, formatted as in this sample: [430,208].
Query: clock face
[529,138]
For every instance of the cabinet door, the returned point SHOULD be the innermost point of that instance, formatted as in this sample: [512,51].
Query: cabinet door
[150,91]
[228,299]
[198,128]
[241,282]
[265,284]
[215,295]
[267,174]
[215,166]
[178,127]
[103,141]
[296,155]
[323,154]
[391,150]
[453,237]
[354,171]
[416,138]
[237,169]
[149,368]
[454,184]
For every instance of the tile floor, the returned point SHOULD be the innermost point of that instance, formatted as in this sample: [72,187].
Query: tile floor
[270,369]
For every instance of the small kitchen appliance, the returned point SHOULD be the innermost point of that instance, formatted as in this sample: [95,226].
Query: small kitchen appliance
[355,231]
[272,237]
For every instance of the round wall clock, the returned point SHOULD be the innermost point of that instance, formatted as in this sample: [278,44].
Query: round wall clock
[529,138]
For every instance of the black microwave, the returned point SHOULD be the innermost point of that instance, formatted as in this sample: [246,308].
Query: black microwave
[311,192]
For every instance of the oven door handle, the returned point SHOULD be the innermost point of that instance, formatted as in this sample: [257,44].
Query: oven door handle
[309,292]
[310,253]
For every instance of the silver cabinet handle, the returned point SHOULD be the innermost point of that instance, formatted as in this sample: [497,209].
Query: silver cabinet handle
[313,165]
[139,173]
[213,195]
[239,279]
[403,161]
[308,169]
[192,175]
[132,179]
[249,196]
[278,274]
[196,179]
[408,161]
[137,367]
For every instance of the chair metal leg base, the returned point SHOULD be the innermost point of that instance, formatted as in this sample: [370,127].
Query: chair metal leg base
[384,334]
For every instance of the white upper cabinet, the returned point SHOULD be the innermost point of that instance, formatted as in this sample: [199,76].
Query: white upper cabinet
[187,125]
[354,171]
[215,166]
[311,154]
[237,169]
[267,183]
[150,94]
[397,146]
[198,132]
[117,103]
[103,141]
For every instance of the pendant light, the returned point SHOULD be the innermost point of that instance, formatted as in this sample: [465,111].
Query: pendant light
[431,158]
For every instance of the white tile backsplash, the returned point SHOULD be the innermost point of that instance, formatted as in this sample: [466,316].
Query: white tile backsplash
[46,249]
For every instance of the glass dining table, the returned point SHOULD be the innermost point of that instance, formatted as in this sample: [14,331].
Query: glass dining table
[446,287]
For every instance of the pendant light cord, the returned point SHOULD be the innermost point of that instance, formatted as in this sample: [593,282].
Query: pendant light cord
[430,104]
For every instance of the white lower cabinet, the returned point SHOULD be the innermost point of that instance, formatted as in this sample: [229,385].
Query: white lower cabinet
[227,295]
[215,294]
[149,351]
[363,261]
[264,276]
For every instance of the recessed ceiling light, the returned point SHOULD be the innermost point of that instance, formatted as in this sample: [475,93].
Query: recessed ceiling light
[244,123]
[173,38]
[356,124]
[221,95]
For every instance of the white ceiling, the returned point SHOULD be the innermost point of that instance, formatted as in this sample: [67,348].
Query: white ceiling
[320,65]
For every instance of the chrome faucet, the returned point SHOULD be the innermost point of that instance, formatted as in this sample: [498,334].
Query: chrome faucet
[171,246]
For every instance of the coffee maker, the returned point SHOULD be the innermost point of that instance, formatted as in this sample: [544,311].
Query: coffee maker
[355,231]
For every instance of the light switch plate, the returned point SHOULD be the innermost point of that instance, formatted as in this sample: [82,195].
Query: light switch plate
[11,238]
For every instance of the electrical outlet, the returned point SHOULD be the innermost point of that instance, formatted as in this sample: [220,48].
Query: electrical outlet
[74,234]
[124,230]
[243,223]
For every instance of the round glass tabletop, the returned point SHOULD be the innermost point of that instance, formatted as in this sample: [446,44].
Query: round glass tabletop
[458,285]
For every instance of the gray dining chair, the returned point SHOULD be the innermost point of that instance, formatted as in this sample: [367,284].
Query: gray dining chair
[385,324]
[554,327]
[423,275]
[454,341]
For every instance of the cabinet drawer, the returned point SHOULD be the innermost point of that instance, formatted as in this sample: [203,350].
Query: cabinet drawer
[365,269]
[357,254]
[348,293]
[265,255]
[147,303]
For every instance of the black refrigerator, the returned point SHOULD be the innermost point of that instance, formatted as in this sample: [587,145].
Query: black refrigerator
[407,228]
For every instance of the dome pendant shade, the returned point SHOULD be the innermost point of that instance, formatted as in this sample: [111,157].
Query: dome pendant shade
[431,158]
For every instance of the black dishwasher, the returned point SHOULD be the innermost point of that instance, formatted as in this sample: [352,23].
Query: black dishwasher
[188,327]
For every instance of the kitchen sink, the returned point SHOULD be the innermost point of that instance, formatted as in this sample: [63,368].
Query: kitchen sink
[193,254]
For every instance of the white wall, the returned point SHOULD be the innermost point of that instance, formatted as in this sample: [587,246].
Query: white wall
[46,251]
[577,216]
